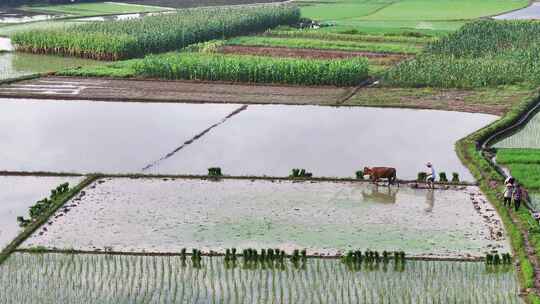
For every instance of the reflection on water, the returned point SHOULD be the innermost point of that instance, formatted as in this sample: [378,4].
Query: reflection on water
[15,64]
[385,194]
[95,136]
[430,200]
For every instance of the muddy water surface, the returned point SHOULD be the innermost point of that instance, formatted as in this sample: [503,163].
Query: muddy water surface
[17,194]
[156,279]
[530,12]
[271,140]
[5,45]
[14,64]
[168,215]
[81,136]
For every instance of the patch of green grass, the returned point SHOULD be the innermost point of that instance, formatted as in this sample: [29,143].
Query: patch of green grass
[92,9]
[352,35]
[429,10]
[386,47]
[518,156]
[342,9]
[527,174]
[121,69]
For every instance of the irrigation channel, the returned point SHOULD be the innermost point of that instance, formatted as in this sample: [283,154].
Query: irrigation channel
[249,140]
[530,12]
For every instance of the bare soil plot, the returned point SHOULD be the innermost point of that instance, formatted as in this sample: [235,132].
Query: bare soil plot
[376,58]
[155,215]
[20,192]
[86,136]
[328,141]
[496,101]
[170,91]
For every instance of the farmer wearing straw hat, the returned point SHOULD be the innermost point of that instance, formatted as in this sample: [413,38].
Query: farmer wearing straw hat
[431,175]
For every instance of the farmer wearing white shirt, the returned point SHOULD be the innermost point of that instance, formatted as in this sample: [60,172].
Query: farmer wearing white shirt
[431,175]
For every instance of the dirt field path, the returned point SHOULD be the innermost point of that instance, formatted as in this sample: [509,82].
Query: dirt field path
[102,89]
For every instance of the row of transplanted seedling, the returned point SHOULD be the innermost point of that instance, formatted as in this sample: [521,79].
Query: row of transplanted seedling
[442,177]
[41,206]
[103,278]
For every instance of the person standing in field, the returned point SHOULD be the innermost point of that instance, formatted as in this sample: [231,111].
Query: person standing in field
[517,196]
[508,191]
[432,175]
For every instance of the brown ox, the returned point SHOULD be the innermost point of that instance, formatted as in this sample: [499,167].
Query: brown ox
[381,172]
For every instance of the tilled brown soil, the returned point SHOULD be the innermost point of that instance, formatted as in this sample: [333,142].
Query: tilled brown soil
[377,58]
[171,91]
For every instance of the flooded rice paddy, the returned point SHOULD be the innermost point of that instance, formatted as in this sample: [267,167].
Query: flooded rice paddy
[15,64]
[20,192]
[531,12]
[13,16]
[55,278]
[155,215]
[271,140]
[255,140]
[527,137]
[86,136]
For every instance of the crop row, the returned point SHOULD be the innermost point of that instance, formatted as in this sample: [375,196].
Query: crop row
[483,53]
[197,66]
[113,40]
[53,278]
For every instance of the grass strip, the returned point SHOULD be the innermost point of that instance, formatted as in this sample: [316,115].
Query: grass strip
[491,183]
[518,156]
[57,203]
[306,43]
[357,37]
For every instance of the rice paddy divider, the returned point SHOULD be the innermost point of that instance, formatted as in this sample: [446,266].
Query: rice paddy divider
[21,78]
[525,244]
[57,203]
[230,177]
[219,254]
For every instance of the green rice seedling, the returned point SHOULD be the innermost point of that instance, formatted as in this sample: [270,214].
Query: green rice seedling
[377,257]
[295,173]
[442,177]
[455,177]
[496,259]
[385,257]
[270,253]
[359,175]
[215,171]
[421,177]
[302,172]
[233,254]
[489,259]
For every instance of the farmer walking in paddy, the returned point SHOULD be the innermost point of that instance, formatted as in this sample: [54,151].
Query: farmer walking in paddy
[431,175]
[508,192]
[517,196]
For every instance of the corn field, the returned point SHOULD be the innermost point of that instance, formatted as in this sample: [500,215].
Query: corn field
[254,69]
[62,278]
[114,40]
[483,53]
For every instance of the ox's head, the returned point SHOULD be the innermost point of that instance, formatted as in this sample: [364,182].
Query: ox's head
[367,171]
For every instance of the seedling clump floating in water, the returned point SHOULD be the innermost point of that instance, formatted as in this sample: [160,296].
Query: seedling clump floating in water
[455,177]
[300,173]
[442,177]
[421,176]
[215,172]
